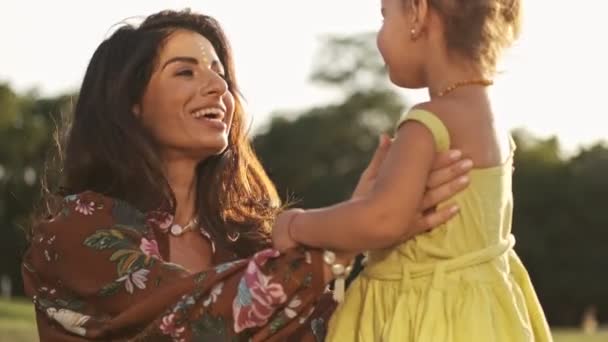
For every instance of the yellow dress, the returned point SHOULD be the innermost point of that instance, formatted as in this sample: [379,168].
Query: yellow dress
[461,282]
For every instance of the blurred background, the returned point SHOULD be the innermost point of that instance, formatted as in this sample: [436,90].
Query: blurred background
[318,97]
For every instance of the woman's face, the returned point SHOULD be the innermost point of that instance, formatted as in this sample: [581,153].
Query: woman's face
[186,106]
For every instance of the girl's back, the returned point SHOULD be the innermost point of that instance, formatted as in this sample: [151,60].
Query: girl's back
[461,281]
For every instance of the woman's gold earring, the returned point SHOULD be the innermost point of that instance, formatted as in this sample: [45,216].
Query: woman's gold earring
[413,34]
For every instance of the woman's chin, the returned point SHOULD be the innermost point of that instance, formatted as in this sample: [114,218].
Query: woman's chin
[212,148]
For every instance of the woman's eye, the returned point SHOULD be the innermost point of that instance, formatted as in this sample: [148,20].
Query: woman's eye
[186,72]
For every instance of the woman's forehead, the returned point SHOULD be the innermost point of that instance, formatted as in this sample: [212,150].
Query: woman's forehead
[188,44]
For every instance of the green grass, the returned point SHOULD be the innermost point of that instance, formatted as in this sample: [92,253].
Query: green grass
[574,335]
[18,310]
[17,324]
[17,321]
[17,331]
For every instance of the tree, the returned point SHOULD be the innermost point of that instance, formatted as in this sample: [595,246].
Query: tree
[319,156]
[26,131]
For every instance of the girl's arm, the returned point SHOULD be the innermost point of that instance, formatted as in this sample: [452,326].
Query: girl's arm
[381,217]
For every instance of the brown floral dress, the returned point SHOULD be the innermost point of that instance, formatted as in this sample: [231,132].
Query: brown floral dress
[95,272]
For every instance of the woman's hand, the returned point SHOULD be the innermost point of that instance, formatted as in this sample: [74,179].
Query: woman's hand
[368,177]
[448,177]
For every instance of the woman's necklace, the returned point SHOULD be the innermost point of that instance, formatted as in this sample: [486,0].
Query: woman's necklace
[178,230]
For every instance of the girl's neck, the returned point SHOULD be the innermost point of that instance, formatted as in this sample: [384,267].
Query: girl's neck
[441,75]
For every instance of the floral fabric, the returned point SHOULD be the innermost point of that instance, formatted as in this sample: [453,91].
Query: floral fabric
[96,271]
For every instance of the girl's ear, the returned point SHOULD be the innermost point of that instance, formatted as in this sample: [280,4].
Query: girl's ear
[419,9]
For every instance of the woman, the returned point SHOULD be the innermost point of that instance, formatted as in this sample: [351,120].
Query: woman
[164,234]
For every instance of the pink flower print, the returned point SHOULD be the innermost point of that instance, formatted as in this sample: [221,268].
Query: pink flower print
[150,248]
[257,298]
[168,327]
[261,257]
[84,207]
[160,219]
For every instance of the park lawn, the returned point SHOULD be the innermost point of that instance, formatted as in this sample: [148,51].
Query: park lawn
[17,324]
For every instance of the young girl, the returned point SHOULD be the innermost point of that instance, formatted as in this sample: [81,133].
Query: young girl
[462,281]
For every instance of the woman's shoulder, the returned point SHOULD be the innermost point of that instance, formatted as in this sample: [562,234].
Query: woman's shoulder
[87,211]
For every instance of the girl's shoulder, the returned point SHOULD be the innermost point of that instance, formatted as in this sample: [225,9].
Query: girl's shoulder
[471,127]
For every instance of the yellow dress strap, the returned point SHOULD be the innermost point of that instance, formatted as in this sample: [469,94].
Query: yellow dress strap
[433,123]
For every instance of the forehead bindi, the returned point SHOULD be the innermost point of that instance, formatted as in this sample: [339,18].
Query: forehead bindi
[207,51]
[184,43]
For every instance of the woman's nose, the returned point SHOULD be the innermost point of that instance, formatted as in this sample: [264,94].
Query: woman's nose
[214,84]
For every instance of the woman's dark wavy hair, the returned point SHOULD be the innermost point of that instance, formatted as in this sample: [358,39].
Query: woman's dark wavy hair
[108,151]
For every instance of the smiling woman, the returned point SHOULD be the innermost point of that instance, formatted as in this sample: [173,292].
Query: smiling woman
[164,196]
[187,104]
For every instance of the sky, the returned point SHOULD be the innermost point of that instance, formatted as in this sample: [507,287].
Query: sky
[552,82]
